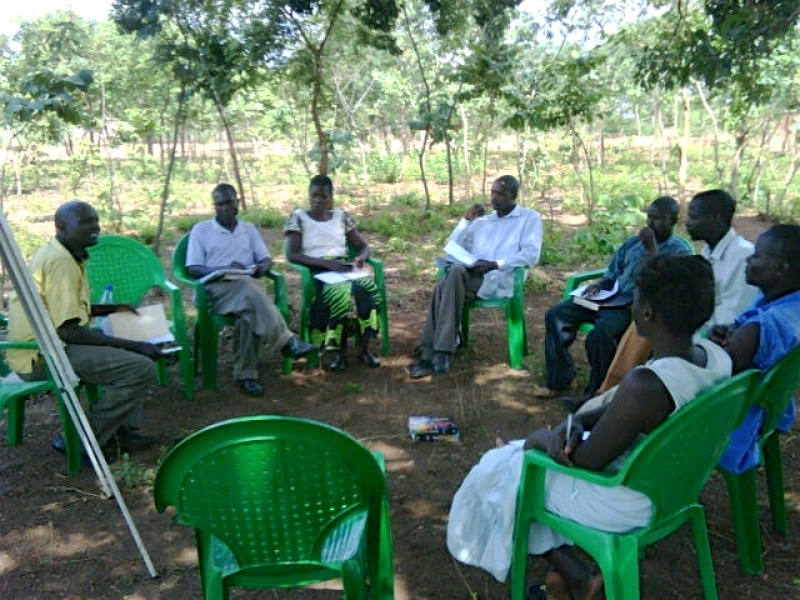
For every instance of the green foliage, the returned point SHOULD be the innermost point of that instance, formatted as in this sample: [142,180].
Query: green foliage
[352,387]
[610,225]
[385,167]
[131,473]
[264,217]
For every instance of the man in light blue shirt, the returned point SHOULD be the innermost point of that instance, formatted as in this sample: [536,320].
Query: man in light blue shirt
[509,237]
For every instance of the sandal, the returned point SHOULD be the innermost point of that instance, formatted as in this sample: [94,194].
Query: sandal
[369,359]
[251,387]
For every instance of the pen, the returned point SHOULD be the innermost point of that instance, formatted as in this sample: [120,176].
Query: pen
[569,427]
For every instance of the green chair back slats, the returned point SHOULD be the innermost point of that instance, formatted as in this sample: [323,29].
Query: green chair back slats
[281,502]
[133,270]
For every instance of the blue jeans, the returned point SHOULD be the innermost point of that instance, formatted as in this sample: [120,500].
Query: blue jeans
[561,327]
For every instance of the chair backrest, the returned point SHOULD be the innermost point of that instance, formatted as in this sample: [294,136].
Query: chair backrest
[674,462]
[130,266]
[776,389]
[179,261]
[269,487]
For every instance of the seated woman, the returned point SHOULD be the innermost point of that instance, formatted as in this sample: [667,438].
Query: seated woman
[674,296]
[318,239]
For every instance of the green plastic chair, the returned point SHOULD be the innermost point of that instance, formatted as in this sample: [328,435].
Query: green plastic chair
[307,288]
[670,466]
[514,308]
[280,502]
[773,393]
[133,270]
[575,281]
[13,395]
[208,325]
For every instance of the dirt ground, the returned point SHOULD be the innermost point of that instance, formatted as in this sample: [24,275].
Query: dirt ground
[60,539]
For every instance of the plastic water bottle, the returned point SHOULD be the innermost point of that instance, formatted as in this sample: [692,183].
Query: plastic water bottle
[106,298]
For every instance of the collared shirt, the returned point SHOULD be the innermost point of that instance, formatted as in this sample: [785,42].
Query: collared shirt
[213,246]
[627,261]
[779,334]
[732,294]
[514,240]
[63,286]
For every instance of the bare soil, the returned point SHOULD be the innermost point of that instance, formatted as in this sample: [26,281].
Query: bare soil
[60,539]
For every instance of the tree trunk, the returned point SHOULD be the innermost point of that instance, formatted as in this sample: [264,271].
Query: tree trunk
[465,141]
[683,170]
[231,148]
[170,166]
[715,126]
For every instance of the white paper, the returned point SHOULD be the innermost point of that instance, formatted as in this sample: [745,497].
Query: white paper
[150,325]
[457,253]
[340,276]
[599,296]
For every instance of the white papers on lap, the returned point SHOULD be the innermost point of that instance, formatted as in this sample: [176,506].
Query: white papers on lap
[598,296]
[458,254]
[150,325]
[228,274]
[340,276]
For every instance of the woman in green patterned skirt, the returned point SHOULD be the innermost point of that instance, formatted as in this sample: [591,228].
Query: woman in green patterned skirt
[318,238]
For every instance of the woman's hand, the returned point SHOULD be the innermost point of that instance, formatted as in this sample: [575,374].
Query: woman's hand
[340,266]
[554,442]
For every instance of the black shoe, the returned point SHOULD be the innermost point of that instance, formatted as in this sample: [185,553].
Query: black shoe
[59,445]
[338,363]
[296,348]
[129,439]
[369,359]
[441,362]
[422,369]
[251,387]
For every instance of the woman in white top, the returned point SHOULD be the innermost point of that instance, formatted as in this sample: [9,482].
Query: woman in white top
[318,238]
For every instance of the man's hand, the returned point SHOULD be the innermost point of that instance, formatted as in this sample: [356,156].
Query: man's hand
[151,351]
[475,211]
[262,268]
[481,267]
[720,334]
[648,239]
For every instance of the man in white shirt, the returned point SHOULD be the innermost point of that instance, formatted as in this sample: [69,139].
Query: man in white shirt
[509,237]
[708,219]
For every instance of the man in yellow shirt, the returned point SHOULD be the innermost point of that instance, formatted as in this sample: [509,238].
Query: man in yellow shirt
[123,368]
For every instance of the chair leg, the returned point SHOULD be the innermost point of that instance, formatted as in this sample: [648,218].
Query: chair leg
[187,371]
[16,420]
[515,328]
[744,510]
[773,467]
[466,316]
[704,561]
[72,441]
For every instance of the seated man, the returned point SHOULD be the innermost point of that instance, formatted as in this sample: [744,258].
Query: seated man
[508,238]
[226,242]
[123,368]
[764,333]
[709,218]
[563,319]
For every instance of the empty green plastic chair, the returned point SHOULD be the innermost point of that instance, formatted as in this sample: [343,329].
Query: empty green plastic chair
[307,288]
[279,502]
[208,324]
[670,466]
[133,269]
[773,393]
[514,308]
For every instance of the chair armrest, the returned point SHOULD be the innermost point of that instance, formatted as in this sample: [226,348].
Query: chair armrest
[7,344]
[538,459]
[574,281]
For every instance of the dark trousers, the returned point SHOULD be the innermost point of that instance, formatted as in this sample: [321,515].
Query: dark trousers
[561,327]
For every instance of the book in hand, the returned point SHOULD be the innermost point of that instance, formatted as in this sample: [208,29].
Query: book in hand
[340,276]
[597,300]
[459,255]
[150,325]
[228,273]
